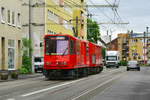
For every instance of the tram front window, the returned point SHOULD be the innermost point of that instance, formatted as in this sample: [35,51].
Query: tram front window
[57,46]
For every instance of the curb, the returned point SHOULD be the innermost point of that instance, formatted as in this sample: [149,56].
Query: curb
[21,77]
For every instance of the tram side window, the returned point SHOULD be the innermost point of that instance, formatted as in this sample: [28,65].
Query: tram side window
[72,47]
[87,51]
[93,59]
[50,46]
[78,46]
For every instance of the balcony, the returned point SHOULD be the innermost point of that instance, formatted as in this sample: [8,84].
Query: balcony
[82,19]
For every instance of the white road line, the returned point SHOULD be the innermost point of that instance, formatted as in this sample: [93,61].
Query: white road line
[64,84]
[104,83]
[11,99]
[46,89]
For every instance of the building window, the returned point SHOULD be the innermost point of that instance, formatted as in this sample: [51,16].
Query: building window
[13,18]
[51,32]
[41,44]
[61,21]
[56,2]
[19,20]
[11,54]
[68,9]
[61,3]
[67,25]
[53,17]
[3,15]
[8,16]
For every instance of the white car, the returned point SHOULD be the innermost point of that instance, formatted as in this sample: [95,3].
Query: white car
[133,65]
[38,64]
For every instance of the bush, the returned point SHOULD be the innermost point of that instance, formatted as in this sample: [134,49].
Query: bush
[27,64]
[14,75]
[26,59]
[23,71]
[4,76]
[123,63]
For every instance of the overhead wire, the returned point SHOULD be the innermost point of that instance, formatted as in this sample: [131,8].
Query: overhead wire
[102,12]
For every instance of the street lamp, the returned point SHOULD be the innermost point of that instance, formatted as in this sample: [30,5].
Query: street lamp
[147,40]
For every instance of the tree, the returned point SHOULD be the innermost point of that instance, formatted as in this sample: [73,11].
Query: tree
[93,33]
[26,59]
[103,52]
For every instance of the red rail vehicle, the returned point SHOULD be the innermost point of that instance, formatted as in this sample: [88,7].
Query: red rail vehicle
[70,57]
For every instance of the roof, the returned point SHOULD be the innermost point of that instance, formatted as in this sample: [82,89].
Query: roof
[139,35]
[102,42]
[112,40]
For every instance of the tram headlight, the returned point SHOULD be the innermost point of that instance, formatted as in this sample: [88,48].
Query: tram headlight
[48,63]
[65,63]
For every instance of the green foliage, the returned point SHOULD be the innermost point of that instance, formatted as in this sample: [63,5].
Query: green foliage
[103,52]
[93,33]
[26,60]
[14,75]
[23,70]
[27,46]
[123,63]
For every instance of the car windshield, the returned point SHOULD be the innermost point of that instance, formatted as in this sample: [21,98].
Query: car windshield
[111,58]
[132,62]
[57,46]
[38,59]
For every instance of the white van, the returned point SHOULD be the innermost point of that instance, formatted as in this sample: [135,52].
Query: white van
[38,64]
[112,59]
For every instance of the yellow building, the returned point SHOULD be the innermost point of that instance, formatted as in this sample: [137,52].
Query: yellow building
[66,17]
[53,17]
[123,46]
[138,49]
[131,46]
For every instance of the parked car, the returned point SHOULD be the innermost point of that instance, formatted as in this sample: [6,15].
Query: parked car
[148,62]
[38,64]
[133,65]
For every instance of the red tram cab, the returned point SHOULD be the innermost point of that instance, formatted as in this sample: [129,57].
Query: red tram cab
[68,56]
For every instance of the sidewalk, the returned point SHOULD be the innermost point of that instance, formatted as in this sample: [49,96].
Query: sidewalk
[23,76]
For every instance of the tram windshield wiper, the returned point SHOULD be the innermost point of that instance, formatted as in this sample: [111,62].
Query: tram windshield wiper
[65,51]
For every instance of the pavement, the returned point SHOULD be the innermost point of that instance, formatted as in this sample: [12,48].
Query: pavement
[111,84]
[23,76]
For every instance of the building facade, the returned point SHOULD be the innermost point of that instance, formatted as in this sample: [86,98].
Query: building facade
[113,45]
[134,46]
[10,35]
[139,46]
[53,17]
[123,46]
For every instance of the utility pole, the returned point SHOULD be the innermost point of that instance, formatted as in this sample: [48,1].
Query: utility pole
[110,40]
[76,34]
[31,35]
[114,23]
[144,49]
[109,35]
[147,28]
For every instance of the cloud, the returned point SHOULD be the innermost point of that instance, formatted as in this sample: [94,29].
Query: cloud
[137,12]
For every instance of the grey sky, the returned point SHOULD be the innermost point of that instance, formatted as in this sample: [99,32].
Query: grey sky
[136,12]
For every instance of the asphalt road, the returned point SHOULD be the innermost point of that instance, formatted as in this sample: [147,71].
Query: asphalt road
[111,84]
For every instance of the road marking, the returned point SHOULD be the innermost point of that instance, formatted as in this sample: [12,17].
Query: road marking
[46,89]
[11,99]
[104,83]
[64,84]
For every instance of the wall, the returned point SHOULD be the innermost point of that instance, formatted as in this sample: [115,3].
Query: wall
[10,31]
